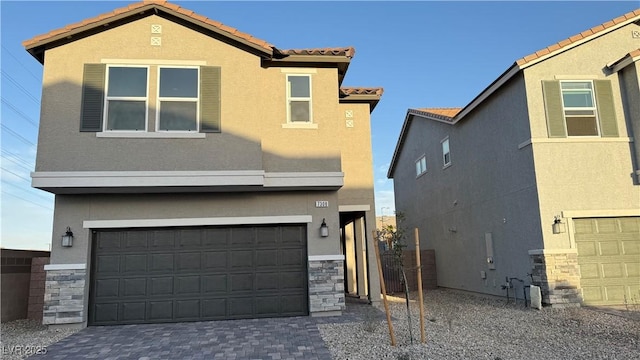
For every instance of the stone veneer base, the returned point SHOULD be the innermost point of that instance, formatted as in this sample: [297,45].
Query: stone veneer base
[326,287]
[558,276]
[64,297]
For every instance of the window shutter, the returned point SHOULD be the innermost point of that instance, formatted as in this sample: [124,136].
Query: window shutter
[553,106]
[209,99]
[92,97]
[606,108]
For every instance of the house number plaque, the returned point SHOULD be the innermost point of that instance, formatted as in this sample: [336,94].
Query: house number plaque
[322,204]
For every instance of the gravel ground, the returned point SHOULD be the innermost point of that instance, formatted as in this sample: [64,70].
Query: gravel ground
[21,338]
[467,326]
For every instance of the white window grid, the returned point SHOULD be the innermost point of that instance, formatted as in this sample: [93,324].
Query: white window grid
[107,98]
[421,165]
[294,98]
[593,108]
[446,152]
[177,99]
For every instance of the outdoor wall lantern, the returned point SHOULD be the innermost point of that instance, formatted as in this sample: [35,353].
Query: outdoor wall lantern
[558,226]
[324,229]
[67,238]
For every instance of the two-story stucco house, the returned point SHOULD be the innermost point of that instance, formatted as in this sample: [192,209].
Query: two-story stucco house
[202,173]
[537,178]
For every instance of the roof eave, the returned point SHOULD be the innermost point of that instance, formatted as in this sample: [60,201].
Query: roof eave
[399,143]
[623,63]
[372,100]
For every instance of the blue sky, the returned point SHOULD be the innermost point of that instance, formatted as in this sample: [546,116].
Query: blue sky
[424,54]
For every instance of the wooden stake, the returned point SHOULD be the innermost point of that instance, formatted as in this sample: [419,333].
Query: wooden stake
[384,291]
[420,300]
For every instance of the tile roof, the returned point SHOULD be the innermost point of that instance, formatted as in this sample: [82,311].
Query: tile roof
[443,112]
[594,31]
[362,91]
[132,8]
[337,51]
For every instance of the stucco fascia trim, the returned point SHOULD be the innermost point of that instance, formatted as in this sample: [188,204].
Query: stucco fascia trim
[552,251]
[575,140]
[326,257]
[347,208]
[153,62]
[65,267]
[234,220]
[297,179]
[573,214]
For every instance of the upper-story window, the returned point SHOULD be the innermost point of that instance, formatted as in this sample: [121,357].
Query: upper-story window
[579,108]
[299,99]
[178,99]
[421,166]
[126,100]
[446,153]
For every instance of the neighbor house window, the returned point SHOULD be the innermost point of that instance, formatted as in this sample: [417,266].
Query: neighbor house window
[446,155]
[177,99]
[421,166]
[299,98]
[126,100]
[579,108]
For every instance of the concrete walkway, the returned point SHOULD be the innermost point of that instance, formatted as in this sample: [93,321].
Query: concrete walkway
[277,338]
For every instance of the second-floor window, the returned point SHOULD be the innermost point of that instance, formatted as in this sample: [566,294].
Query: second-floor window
[446,154]
[421,166]
[299,99]
[126,100]
[579,108]
[178,99]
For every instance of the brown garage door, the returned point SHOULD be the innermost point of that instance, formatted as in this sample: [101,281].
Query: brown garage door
[609,259]
[192,274]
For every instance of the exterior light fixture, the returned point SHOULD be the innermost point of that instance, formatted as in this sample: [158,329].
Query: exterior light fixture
[558,226]
[67,238]
[324,229]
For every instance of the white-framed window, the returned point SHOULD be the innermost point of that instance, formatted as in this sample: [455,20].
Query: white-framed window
[178,94]
[126,99]
[421,166]
[299,98]
[446,154]
[579,108]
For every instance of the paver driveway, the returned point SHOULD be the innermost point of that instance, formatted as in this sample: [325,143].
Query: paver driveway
[277,338]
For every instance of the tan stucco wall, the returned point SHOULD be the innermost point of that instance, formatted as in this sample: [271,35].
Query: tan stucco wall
[578,174]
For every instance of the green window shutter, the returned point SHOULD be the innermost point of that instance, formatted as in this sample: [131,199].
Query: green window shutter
[553,106]
[92,97]
[606,108]
[209,99]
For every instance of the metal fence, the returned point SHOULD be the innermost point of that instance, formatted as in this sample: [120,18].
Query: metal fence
[392,273]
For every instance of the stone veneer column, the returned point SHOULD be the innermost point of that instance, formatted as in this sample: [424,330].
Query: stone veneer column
[557,273]
[64,294]
[326,285]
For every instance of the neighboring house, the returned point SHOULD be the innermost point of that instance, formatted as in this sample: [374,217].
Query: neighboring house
[202,173]
[537,178]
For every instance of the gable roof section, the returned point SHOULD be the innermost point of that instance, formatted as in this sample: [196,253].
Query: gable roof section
[518,65]
[361,95]
[625,61]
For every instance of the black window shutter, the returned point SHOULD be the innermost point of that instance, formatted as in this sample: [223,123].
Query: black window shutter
[92,97]
[606,108]
[553,107]
[209,99]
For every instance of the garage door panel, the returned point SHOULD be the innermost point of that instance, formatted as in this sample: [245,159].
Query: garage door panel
[134,287]
[189,261]
[632,269]
[214,260]
[242,259]
[267,281]
[630,247]
[212,284]
[133,311]
[630,225]
[587,248]
[607,225]
[612,270]
[187,309]
[592,292]
[106,313]
[187,285]
[161,310]
[135,240]
[615,293]
[161,286]
[107,264]
[214,308]
[583,226]
[162,240]
[241,282]
[162,262]
[204,273]
[609,248]
[107,288]
[135,263]
[266,258]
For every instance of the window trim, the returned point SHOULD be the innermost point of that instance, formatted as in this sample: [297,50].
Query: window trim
[105,115]
[289,98]
[181,99]
[445,164]
[594,108]
[423,169]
